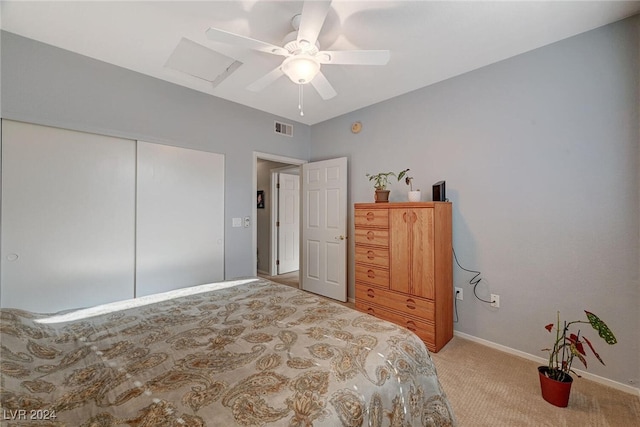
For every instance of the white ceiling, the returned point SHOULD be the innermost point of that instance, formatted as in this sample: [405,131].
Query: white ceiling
[429,41]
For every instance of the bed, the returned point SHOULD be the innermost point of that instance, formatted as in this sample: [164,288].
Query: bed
[247,352]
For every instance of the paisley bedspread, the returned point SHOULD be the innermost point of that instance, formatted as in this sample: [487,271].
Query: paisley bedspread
[248,352]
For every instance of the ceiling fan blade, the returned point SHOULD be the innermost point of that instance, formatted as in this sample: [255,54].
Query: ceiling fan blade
[354,57]
[222,36]
[322,85]
[266,80]
[312,19]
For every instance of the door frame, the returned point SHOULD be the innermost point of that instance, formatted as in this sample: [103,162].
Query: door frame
[254,227]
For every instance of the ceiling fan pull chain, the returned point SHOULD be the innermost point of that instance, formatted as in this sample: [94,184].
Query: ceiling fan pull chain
[300,100]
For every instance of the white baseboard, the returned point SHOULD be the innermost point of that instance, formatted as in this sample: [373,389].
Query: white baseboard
[542,361]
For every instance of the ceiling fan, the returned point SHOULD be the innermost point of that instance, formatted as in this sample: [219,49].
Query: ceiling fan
[303,57]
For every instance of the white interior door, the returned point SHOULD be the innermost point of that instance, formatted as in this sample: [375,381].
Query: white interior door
[68,218]
[180,218]
[288,223]
[324,228]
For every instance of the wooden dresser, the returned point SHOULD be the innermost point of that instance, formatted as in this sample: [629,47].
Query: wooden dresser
[404,269]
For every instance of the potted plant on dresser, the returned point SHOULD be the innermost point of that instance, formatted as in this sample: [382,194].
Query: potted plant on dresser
[555,378]
[380,182]
[414,196]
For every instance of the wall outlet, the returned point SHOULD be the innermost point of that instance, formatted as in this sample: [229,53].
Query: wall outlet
[247,222]
[459,293]
[495,300]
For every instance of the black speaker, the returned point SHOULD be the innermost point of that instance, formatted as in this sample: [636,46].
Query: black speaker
[439,192]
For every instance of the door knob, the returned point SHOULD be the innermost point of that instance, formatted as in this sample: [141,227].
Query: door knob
[340,237]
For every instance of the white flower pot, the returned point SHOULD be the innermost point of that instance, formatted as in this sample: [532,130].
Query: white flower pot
[414,196]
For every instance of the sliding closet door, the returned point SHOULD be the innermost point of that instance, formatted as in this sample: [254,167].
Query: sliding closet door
[180,218]
[68,206]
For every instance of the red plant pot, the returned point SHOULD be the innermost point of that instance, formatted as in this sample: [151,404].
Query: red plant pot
[554,391]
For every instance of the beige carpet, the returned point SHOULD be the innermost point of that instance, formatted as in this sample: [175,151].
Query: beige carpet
[488,387]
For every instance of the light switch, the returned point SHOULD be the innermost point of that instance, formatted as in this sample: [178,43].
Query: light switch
[236,222]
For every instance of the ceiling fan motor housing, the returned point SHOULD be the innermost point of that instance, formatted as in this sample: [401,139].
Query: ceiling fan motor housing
[295,47]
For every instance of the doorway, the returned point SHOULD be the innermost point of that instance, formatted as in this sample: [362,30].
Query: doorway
[272,244]
[323,219]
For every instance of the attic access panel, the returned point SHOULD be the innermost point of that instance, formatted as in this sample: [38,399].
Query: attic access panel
[198,61]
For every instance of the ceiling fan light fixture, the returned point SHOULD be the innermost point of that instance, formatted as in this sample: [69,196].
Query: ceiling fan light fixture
[301,69]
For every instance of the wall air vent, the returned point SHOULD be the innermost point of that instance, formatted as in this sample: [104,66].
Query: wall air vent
[284,129]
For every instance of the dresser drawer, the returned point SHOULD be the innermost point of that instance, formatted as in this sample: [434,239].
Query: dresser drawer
[372,275]
[372,218]
[373,237]
[423,329]
[376,257]
[408,304]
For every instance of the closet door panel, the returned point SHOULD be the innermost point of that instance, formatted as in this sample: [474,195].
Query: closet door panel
[68,205]
[180,218]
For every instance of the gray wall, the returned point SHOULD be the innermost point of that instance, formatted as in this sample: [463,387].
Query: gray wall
[46,85]
[540,157]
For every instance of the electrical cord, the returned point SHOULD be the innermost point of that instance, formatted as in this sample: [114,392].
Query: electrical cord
[474,281]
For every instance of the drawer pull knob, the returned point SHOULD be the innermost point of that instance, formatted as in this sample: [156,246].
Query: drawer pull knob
[370,255]
[370,216]
[371,274]
[411,304]
[371,311]
[371,235]
[411,326]
[370,293]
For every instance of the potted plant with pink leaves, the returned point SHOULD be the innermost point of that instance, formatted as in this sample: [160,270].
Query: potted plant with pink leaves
[569,344]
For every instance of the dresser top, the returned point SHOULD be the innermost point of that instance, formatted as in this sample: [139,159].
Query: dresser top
[399,205]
